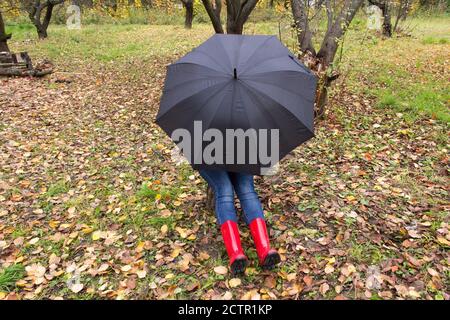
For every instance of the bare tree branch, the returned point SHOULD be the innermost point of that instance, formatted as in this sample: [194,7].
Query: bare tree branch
[214,16]
[301,20]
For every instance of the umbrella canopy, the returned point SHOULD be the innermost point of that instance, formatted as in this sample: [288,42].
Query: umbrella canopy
[238,82]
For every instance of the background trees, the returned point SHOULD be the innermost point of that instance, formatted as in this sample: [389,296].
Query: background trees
[189,7]
[4,37]
[238,12]
[40,14]
[385,7]
[338,17]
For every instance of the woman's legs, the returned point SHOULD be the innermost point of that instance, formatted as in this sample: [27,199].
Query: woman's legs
[248,198]
[220,182]
[254,217]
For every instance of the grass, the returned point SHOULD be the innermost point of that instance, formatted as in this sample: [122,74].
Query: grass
[121,178]
[10,275]
[57,188]
[384,69]
[379,68]
[433,40]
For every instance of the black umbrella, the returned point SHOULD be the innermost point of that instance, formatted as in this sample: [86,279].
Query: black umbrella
[238,82]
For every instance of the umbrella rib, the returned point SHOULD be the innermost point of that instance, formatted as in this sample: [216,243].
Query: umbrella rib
[226,52]
[212,58]
[177,86]
[255,51]
[217,87]
[184,99]
[213,113]
[297,94]
[270,98]
[277,57]
[200,65]
[252,96]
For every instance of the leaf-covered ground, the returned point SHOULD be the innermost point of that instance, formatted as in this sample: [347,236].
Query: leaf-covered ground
[92,205]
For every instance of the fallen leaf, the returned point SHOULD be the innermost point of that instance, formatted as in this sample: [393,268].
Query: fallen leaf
[234,282]
[77,287]
[221,270]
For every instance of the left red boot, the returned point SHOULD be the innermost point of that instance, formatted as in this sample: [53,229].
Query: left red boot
[268,257]
[232,241]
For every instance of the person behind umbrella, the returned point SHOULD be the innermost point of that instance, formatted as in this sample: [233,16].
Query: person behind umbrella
[235,82]
[224,184]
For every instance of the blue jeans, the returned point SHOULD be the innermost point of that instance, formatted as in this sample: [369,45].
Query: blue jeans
[224,184]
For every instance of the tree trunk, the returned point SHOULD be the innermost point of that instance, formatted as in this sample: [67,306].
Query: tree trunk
[403,10]
[189,7]
[42,33]
[304,34]
[320,62]
[3,36]
[238,12]
[331,40]
[387,26]
[386,11]
[147,4]
[214,14]
[35,12]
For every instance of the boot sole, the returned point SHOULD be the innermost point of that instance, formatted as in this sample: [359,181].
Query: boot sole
[271,260]
[238,266]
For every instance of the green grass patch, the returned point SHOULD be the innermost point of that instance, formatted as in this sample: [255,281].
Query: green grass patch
[10,275]
[433,40]
[57,188]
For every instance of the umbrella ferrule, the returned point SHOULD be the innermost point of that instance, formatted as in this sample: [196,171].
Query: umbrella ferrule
[235,73]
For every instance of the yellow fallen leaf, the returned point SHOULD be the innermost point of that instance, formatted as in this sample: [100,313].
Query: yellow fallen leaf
[329,269]
[103,267]
[87,230]
[96,235]
[164,229]
[175,253]
[126,268]
[203,255]
[443,241]
[33,241]
[183,232]
[53,224]
[140,246]
[221,270]
[192,237]
[141,274]
[234,282]
[291,276]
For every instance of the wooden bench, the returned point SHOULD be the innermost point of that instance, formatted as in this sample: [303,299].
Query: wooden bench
[19,64]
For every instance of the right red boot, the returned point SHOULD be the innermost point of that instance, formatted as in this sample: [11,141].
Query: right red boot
[230,234]
[268,257]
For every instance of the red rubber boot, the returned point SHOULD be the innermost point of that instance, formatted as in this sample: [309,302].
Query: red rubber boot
[268,257]
[230,234]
